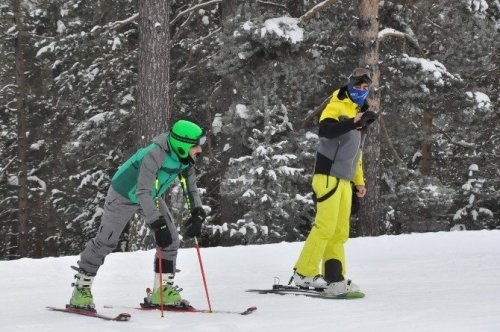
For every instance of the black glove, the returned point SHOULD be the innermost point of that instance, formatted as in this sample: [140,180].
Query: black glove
[367,118]
[193,224]
[162,234]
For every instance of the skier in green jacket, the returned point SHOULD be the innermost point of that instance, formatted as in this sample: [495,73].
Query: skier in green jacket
[138,186]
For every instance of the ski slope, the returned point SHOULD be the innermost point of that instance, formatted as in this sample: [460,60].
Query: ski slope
[417,282]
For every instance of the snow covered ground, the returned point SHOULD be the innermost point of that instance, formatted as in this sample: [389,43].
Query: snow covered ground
[418,282]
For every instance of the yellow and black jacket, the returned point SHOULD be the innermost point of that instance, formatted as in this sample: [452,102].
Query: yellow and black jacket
[339,150]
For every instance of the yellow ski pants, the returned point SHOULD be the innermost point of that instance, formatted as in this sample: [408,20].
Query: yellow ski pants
[331,226]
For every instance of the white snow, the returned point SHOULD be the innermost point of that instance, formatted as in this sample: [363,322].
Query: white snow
[473,167]
[61,28]
[99,118]
[249,193]
[242,111]
[476,6]
[248,25]
[389,31]
[217,124]
[419,282]
[481,100]
[435,71]
[42,185]
[127,99]
[116,43]
[37,145]
[284,27]
[311,136]
[45,49]
[290,171]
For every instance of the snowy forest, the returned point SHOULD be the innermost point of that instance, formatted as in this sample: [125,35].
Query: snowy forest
[76,77]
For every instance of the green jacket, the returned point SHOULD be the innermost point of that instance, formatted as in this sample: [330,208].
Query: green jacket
[136,178]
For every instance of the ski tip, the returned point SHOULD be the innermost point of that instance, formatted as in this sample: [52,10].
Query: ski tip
[249,311]
[123,317]
[355,295]
[347,296]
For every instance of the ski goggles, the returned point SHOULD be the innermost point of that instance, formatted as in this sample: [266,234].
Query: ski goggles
[194,141]
[361,75]
[202,139]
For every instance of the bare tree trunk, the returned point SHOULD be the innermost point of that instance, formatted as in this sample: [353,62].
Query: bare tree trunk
[153,113]
[369,222]
[426,161]
[22,140]
[154,73]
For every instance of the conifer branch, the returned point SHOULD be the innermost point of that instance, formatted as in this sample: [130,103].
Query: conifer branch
[386,33]
[316,9]
[271,3]
[191,9]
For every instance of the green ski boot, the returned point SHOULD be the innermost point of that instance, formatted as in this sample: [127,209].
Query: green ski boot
[171,294]
[82,296]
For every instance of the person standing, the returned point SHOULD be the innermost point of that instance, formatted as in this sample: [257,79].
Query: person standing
[342,130]
[138,186]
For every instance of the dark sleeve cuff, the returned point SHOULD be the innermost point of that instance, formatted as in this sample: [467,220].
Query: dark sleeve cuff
[331,128]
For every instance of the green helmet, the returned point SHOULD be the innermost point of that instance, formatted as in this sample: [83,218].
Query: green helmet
[184,135]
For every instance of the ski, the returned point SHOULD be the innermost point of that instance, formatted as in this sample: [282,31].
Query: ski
[293,290]
[192,309]
[123,317]
[189,309]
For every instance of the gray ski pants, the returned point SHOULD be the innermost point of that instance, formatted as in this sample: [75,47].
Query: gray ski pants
[117,213]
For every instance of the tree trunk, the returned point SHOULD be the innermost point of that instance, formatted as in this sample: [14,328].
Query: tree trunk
[426,161]
[154,77]
[369,222]
[22,140]
[154,62]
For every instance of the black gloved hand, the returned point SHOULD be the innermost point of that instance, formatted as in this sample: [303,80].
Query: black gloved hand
[193,224]
[162,234]
[367,118]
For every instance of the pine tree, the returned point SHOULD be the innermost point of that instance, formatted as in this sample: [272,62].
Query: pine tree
[265,183]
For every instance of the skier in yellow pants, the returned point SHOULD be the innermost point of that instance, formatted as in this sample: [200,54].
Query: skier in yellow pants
[338,162]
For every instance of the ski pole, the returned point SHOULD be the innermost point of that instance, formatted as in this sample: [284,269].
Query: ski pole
[196,245]
[160,269]
[159,251]
[202,273]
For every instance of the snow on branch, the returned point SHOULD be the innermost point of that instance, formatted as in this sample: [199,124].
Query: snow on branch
[119,24]
[8,86]
[6,166]
[271,3]
[432,70]
[319,7]
[190,9]
[386,33]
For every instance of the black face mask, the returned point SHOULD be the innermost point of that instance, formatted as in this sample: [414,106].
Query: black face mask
[189,160]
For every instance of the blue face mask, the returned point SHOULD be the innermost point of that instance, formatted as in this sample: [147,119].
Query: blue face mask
[357,96]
